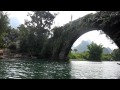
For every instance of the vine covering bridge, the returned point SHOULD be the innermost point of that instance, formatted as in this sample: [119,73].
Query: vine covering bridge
[64,37]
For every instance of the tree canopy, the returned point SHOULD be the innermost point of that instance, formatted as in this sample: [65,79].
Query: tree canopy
[4,22]
[95,51]
[35,33]
[116,54]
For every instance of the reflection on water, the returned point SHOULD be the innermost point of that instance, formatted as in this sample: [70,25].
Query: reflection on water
[95,70]
[37,69]
[34,69]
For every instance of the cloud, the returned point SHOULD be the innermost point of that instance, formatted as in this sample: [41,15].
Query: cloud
[14,22]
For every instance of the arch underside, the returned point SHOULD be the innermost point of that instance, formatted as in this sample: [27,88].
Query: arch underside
[73,30]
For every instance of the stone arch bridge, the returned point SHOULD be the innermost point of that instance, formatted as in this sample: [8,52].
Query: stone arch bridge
[65,36]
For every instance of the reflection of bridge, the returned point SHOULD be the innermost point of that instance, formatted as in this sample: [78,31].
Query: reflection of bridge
[65,36]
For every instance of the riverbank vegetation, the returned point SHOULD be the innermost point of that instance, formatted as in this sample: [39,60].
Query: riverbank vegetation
[84,56]
[95,53]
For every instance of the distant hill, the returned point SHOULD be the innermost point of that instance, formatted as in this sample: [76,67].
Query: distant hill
[107,50]
[83,47]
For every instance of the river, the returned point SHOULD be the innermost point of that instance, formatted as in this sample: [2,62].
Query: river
[41,69]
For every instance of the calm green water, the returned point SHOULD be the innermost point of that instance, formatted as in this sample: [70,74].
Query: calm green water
[36,69]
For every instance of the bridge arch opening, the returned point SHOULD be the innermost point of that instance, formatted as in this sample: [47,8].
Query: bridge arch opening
[97,36]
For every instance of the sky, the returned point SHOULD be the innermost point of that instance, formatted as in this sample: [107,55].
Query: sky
[63,17]
[96,37]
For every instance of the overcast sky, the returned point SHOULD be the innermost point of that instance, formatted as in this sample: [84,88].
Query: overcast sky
[17,18]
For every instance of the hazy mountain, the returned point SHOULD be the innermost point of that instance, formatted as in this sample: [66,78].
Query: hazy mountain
[83,47]
[110,50]
[107,50]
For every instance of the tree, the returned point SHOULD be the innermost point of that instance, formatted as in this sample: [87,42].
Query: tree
[95,51]
[85,55]
[10,36]
[75,50]
[37,31]
[12,47]
[4,21]
[40,23]
[107,57]
[116,54]
[23,38]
